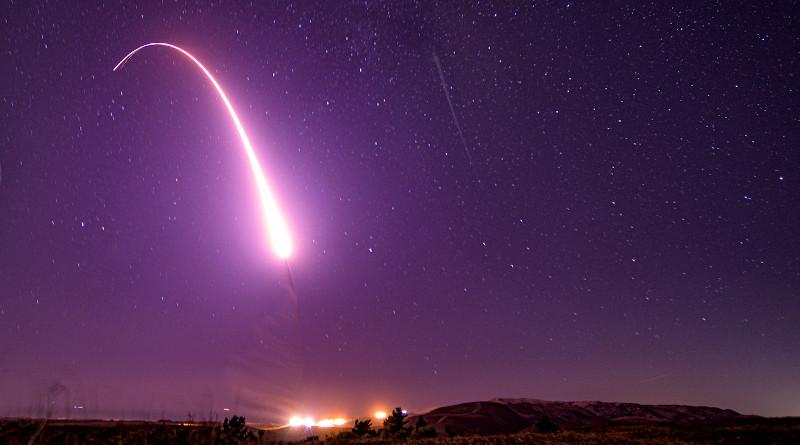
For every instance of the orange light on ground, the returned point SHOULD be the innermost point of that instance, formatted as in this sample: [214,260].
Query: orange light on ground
[297,421]
[380,415]
[309,422]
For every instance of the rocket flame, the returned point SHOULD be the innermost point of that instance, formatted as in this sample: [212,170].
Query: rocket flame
[276,227]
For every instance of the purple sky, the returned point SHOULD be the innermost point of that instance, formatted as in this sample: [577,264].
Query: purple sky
[627,229]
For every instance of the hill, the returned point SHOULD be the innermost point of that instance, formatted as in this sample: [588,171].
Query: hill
[507,416]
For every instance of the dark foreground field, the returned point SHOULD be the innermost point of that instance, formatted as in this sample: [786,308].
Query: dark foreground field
[730,431]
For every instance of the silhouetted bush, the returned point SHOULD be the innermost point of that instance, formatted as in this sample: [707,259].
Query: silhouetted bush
[342,438]
[545,425]
[363,428]
[422,430]
[234,432]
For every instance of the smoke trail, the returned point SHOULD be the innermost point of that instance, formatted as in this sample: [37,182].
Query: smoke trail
[450,103]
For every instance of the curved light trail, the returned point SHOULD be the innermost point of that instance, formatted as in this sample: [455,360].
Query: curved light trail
[276,227]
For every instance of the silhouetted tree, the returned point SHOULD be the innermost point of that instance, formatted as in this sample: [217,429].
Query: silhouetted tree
[363,428]
[545,425]
[394,426]
[234,431]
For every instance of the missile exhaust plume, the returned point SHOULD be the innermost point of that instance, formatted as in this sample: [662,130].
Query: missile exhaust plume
[276,227]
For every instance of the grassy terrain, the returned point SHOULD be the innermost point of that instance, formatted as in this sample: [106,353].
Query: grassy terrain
[40,431]
[734,431]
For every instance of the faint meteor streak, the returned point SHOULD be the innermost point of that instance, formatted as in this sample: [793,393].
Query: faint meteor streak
[450,103]
[278,233]
[652,379]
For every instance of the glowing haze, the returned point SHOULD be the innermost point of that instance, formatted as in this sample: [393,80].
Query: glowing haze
[627,229]
[278,233]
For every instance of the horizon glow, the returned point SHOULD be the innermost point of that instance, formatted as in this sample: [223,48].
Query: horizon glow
[309,422]
[276,227]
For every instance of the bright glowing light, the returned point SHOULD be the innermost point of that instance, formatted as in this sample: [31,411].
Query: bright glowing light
[278,233]
[380,415]
[330,423]
[309,422]
[296,421]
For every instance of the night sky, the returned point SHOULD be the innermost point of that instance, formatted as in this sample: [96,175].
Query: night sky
[609,212]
